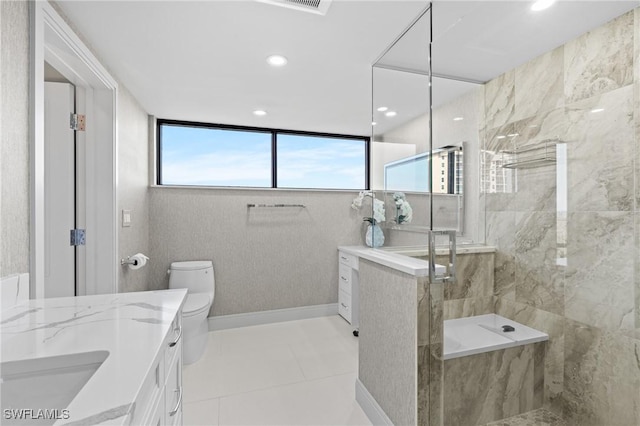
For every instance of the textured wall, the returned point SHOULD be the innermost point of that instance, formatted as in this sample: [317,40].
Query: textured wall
[567,260]
[264,258]
[133,188]
[14,131]
[388,340]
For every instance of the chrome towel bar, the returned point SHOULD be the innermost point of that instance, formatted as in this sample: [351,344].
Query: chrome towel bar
[301,206]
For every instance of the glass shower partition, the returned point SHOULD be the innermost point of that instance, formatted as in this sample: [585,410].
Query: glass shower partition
[421,181]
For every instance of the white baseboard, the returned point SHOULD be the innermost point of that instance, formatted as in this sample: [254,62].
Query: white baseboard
[267,317]
[370,406]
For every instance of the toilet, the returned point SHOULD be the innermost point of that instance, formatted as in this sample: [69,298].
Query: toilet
[197,278]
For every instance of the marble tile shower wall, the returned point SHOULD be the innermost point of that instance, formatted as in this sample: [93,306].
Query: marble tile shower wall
[568,233]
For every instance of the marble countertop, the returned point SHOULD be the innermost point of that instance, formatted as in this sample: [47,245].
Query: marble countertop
[130,326]
[398,261]
[441,251]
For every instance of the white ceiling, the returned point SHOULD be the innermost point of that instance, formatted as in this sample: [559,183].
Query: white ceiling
[205,60]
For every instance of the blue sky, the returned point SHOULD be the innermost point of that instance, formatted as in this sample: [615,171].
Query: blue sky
[201,156]
[408,176]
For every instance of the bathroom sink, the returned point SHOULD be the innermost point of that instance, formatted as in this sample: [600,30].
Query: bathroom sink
[49,383]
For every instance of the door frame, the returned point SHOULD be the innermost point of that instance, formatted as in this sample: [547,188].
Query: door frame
[53,40]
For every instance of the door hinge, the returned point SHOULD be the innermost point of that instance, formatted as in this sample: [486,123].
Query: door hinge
[78,122]
[77,237]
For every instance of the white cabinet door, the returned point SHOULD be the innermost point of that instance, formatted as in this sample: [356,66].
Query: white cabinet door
[173,391]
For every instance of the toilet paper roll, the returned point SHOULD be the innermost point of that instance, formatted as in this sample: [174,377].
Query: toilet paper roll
[139,260]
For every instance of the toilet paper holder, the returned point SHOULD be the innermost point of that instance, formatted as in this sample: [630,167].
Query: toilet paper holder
[129,261]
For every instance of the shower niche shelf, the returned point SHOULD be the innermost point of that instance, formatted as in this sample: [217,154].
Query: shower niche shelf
[542,154]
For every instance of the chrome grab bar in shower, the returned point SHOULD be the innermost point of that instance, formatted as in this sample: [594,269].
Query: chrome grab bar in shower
[450,273]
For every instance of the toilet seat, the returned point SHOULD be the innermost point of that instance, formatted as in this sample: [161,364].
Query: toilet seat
[196,303]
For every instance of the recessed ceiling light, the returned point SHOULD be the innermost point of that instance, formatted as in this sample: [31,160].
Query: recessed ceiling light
[458,118]
[277,60]
[373,123]
[542,5]
[259,112]
[597,110]
[390,113]
[382,109]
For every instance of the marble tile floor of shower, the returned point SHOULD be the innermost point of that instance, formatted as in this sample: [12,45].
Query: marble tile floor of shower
[539,417]
[291,373]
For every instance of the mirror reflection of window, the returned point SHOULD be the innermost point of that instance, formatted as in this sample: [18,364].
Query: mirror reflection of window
[411,174]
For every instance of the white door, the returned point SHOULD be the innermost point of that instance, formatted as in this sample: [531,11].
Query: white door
[59,141]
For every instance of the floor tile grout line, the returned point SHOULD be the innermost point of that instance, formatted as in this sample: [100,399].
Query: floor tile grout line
[297,362]
[218,419]
[283,385]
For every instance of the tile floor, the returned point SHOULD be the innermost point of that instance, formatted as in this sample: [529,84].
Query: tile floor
[291,373]
[539,417]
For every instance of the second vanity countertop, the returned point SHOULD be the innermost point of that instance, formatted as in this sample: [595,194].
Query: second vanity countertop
[130,326]
[400,262]
[405,259]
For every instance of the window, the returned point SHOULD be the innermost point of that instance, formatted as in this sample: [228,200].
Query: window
[214,157]
[199,154]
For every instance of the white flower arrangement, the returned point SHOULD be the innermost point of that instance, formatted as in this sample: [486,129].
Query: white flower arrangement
[404,212]
[378,207]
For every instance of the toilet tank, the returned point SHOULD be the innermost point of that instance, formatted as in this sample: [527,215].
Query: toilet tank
[196,276]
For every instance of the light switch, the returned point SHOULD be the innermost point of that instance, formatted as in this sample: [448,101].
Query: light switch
[126,218]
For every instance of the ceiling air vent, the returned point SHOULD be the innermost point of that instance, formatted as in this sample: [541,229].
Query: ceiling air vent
[318,7]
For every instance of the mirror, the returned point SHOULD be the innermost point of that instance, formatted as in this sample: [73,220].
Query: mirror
[400,143]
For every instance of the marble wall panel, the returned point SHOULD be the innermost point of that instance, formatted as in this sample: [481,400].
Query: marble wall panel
[499,184]
[501,233]
[539,278]
[636,65]
[536,186]
[599,288]
[436,415]
[436,348]
[462,308]
[539,84]
[491,386]
[601,377]
[423,385]
[553,325]
[424,311]
[600,149]
[636,273]
[499,100]
[474,276]
[600,60]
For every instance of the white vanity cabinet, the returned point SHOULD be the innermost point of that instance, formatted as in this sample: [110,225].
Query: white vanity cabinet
[348,287]
[160,400]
